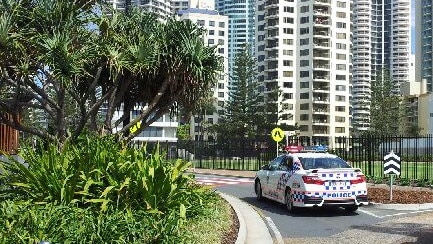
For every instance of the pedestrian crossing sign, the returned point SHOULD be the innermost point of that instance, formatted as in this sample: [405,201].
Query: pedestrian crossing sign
[277,134]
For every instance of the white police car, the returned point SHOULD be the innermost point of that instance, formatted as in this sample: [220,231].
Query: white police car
[311,178]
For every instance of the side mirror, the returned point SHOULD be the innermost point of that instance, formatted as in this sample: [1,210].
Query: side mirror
[265,167]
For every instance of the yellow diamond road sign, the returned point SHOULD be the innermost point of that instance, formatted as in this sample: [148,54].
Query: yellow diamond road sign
[277,134]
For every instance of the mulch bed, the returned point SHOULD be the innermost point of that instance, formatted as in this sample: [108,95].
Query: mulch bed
[400,194]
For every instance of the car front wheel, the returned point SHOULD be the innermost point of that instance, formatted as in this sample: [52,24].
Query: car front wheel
[289,201]
[258,190]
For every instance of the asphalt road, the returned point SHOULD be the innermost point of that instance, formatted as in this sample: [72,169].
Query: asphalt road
[306,223]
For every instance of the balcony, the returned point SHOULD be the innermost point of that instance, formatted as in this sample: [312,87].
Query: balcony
[271,3]
[321,20]
[322,2]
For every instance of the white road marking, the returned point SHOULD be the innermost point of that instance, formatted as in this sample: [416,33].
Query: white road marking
[221,181]
[391,215]
[278,237]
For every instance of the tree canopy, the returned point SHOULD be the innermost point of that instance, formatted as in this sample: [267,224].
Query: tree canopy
[385,109]
[78,62]
[244,109]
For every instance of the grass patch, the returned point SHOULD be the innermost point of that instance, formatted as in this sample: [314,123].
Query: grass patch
[210,226]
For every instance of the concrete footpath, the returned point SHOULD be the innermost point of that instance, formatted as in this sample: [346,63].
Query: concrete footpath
[253,228]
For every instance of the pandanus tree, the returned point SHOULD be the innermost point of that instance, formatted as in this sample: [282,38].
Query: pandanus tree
[78,62]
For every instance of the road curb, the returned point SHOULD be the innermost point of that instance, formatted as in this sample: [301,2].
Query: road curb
[252,228]
[398,206]
[242,232]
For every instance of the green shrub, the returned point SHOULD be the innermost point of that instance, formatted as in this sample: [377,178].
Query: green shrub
[26,223]
[100,172]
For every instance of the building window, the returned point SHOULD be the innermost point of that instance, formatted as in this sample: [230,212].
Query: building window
[211,23]
[340,130]
[340,88]
[305,20]
[288,63]
[289,9]
[288,20]
[288,52]
[341,67]
[341,4]
[303,127]
[220,41]
[288,95]
[288,84]
[339,98]
[304,41]
[211,32]
[340,109]
[304,63]
[287,73]
[304,52]
[304,74]
[340,119]
[221,33]
[341,15]
[341,25]
[340,77]
[220,94]
[305,9]
[304,95]
[341,35]
[288,30]
[222,24]
[304,31]
[288,41]
[341,46]
[304,117]
[304,84]
[341,56]
[210,41]
[200,22]
[304,106]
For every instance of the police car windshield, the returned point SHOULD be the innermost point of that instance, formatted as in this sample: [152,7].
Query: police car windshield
[323,163]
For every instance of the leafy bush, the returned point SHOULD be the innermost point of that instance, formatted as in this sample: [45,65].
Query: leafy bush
[100,172]
[27,223]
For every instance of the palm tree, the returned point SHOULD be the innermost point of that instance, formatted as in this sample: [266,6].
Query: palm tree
[68,60]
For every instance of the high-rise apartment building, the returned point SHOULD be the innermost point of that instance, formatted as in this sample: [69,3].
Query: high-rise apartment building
[241,26]
[424,42]
[160,7]
[177,5]
[381,40]
[216,26]
[303,49]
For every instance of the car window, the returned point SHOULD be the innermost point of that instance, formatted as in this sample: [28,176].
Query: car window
[283,164]
[275,164]
[323,163]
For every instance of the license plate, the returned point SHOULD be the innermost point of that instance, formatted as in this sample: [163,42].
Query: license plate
[338,183]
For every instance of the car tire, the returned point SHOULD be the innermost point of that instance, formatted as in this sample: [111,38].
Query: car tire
[258,190]
[351,208]
[288,196]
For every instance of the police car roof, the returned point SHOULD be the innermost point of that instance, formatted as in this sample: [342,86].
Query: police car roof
[314,155]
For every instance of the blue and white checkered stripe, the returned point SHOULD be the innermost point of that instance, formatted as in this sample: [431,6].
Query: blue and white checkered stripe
[299,196]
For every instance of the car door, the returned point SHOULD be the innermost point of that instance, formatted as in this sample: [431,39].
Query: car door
[268,186]
[275,177]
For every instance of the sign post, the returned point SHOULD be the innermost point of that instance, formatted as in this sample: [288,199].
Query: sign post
[277,135]
[392,167]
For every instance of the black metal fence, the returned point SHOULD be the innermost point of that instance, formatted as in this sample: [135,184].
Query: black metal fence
[366,152]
